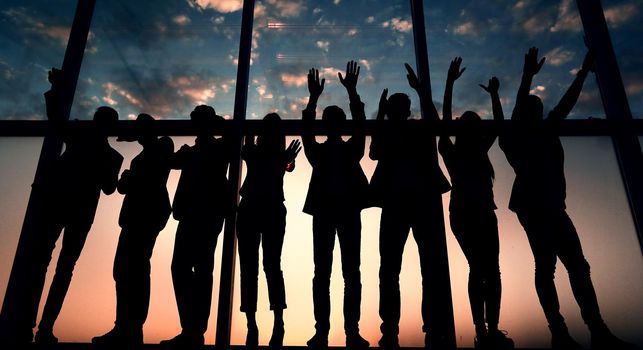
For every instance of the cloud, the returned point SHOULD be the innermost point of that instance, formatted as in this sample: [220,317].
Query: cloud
[352,32]
[223,6]
[323,44]
[398,24]
[466,28]
[620,14]
[370,19]
[297,80]
[31,24]
[181,20]
[287,8]
[112,89]
[568,18]
[559,56]
[634,88]
[365,63]
[336,2]
[539,91]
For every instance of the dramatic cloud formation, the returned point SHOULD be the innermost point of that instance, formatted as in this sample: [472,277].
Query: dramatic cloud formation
[224,6]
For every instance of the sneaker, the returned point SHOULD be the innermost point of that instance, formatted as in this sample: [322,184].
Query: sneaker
[389,342]
[497,339]
[564,341]
[608,341]
[318,341]
[355,341]
[184,341]
[45,337]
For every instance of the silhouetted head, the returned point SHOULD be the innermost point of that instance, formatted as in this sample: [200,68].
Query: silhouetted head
[399,107]
[105,119]
[272,134]
[534,109]
[333,117]
[145,126]
[205,120]
[471,129]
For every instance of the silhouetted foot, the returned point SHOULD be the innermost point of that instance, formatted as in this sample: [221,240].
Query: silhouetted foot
[117,337]
[318,341]
[252,337]
[389,342]
[45,337]
[564,341]
[605,340]
[355,341]
[277,338]
[184,341]
[497,339]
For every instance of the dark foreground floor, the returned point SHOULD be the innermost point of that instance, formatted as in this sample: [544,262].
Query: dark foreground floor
[74,346]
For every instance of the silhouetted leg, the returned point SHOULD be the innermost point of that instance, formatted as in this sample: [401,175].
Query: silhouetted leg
[73,242]
[464,229]
[248,235]
[490,252]
[542,240]
[323,244]
[394,230]
[203,269]
[571,255]
[349,233]
[182,273]
[272,244]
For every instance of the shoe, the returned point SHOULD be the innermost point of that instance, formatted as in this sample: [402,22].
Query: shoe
[252,337]
[277,338]
[45,337]
[355,341]
[564,341]
[605,340]
[318,341]
[117,337]
[184,341]
[497,339]
[389,342]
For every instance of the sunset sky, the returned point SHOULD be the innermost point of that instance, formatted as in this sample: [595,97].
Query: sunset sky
[166,56]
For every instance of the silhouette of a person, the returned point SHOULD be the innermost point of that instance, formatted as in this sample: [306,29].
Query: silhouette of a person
[72,189]
[337,193]
[262,219]
[534,151]
[145,211]
[203,199]
[472,210]
[408,186]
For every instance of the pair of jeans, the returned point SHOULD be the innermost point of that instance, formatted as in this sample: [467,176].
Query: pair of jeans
[266,224]
[347,225]
[552,235]
[192,267]
[477,234]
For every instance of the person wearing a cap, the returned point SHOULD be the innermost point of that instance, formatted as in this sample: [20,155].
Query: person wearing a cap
[145,211]
[71,188]
[203,199]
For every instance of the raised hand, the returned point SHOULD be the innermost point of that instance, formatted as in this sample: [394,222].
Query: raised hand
[315,87]
[492,87]
[588,62]
[292,150]
[383,106]
[414,82]
[454,69]
[532,65]
[352,73]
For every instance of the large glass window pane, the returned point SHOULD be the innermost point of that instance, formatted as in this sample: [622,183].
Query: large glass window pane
[290,37]
[492,38]
[161,57]
[624,19]
[33,38]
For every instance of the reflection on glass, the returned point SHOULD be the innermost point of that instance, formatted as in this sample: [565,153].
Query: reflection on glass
[492,38]
[34,37]
[162,58]
[290,37]
[596,202]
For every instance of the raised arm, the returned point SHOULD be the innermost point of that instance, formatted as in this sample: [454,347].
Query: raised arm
[445,144]
[426,100]
[375,150]
[498,115]
[567,102]
[315,89]
[356,105]
[531,67]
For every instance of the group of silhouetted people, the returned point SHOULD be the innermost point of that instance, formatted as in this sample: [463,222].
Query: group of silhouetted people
[407,185]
